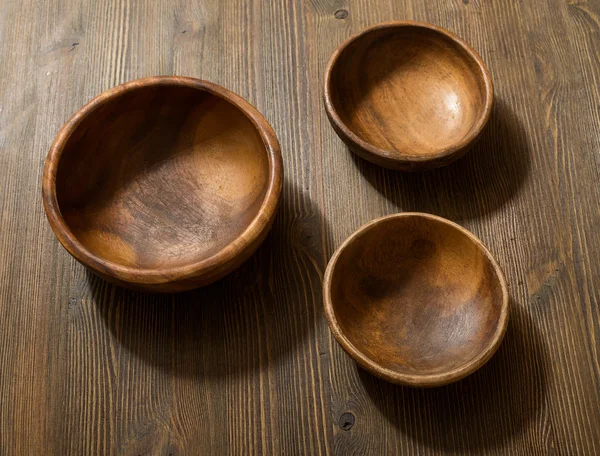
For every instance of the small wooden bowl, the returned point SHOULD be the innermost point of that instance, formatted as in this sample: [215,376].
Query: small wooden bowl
[407,95]
[416,300]
[164,183]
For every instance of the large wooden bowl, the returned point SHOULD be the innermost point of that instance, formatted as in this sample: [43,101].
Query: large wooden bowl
[416,300]
[407,95]
[163,184]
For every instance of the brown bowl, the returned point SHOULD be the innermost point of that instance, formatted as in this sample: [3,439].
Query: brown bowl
[164,183]
[416,300]
[407,95]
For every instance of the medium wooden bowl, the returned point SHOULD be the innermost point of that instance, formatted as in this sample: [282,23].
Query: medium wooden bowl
[407,95]
[416,300]
[164,183]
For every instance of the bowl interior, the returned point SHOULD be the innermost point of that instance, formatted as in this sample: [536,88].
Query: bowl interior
[161,176]
[416,295]
[408,90]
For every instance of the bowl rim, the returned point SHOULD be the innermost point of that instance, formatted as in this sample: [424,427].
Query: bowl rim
[155,276]
[398,156]
[394,376]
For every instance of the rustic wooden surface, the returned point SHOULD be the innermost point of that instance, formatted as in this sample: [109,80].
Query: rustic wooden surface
[247,365]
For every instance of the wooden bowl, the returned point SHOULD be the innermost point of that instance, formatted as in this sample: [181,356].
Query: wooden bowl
[407,95]
[164,183]
[416,300]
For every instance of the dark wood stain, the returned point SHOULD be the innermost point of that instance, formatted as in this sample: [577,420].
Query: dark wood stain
[247,365]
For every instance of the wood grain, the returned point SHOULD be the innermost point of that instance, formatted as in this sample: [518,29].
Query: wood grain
[247,365]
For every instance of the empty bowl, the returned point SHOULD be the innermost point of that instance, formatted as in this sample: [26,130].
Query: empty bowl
[164,183]
[416,300]
[407,95]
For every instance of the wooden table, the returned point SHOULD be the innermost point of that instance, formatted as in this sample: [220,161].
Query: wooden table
[247,365]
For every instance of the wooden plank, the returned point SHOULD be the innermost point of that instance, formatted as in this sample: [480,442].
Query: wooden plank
[247,365]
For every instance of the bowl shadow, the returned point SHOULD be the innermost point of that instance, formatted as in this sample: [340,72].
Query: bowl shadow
[248,320]
[481,411]
[481,182]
